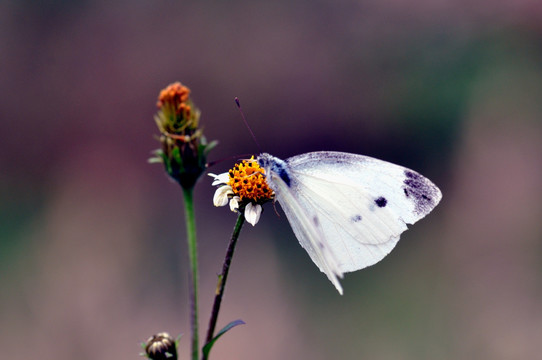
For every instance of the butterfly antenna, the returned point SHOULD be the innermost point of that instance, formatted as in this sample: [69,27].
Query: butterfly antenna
[246,124]
[235,157]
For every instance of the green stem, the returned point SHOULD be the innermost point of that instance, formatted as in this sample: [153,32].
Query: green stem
[222,278]
[193,271]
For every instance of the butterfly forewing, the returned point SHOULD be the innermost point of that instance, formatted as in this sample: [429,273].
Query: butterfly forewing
[404,191]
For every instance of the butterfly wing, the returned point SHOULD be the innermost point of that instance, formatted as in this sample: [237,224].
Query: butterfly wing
[305,225]
[349,210]
[362,204]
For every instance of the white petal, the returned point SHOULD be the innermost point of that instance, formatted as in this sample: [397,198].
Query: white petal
[220,178]
[234,203]
[252,213]
[221,195]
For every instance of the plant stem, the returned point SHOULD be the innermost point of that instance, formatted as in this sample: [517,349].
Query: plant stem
[193,270]
[223,277]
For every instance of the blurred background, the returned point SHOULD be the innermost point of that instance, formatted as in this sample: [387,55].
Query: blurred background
[92,245]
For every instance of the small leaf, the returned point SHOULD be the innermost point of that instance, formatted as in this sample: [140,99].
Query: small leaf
[157,158]
[154,160]
[207,348]
[210,146]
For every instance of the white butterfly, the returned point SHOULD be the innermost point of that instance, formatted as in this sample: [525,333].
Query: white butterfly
[347,210]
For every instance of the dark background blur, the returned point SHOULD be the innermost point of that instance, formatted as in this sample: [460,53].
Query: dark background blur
[92,246]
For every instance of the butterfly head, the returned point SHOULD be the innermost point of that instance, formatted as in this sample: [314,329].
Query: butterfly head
[274,167]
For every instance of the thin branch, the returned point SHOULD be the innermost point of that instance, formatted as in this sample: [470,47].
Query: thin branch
[222,278]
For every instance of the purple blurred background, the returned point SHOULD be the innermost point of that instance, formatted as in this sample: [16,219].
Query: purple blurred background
[92,247]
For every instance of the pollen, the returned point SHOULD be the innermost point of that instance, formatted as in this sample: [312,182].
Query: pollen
[247,179]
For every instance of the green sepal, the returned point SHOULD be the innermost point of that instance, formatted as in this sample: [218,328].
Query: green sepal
[207,348]
[176,156]
[167,163]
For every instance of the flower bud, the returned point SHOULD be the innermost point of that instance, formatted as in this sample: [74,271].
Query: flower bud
[184,148]
[161,347]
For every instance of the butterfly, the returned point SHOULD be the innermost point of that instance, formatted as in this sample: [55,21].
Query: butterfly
[347,211]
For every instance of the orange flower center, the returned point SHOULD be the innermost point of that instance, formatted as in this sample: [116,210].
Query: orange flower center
[248,181]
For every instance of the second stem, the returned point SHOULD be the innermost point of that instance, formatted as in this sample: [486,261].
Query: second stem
[223,277]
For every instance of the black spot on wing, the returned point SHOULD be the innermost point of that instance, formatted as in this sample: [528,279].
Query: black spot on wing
[356,218]
[381,202]
[421,191]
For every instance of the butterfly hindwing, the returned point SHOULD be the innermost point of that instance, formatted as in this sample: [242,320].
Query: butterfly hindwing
[305,225]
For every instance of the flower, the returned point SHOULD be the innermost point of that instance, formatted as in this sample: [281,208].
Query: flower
[246,189]
[184,148]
